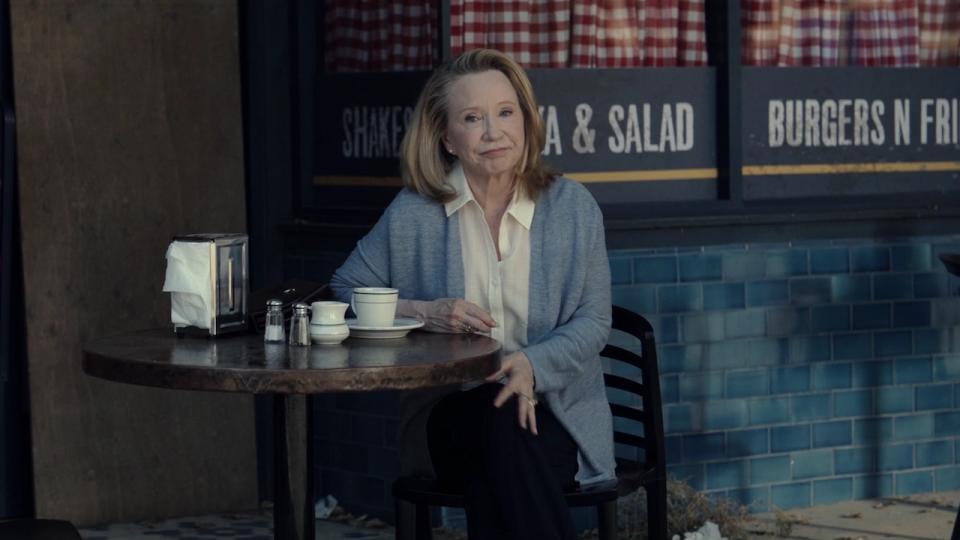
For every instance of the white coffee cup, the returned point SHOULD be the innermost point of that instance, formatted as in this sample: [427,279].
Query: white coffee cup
[375,306]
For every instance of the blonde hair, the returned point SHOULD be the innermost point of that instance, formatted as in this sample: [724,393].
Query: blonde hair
[424,164]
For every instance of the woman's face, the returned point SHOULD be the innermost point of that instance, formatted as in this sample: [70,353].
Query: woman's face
[485,128]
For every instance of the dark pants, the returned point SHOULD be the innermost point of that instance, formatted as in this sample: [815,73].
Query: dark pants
[512,480]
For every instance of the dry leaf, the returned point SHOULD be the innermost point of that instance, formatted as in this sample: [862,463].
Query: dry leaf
[376,523]
[855,515]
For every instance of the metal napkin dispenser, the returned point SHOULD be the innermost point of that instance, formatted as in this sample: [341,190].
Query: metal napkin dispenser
[207,279]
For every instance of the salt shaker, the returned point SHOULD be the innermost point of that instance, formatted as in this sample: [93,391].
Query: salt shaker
[300,325]
[273,332]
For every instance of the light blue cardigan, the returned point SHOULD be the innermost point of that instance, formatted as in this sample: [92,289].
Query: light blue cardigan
[415,248]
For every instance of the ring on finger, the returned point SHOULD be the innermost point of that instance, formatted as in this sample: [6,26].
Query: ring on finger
[532,401]
[466,327]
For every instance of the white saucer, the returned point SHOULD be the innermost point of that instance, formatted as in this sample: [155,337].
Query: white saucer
[398,330]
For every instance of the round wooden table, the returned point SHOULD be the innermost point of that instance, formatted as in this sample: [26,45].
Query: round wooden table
[244,363]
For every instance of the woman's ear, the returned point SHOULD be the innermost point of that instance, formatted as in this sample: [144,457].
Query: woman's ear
[446,144]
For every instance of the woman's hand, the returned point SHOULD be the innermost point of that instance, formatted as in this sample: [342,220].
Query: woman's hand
[520,381]
[450,315]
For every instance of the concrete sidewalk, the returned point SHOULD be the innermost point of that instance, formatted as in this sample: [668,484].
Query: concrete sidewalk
[918,517]
[925,516]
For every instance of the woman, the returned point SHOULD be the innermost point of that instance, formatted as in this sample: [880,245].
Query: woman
[485,239]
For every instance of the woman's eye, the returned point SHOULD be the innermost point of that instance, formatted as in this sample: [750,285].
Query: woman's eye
[506,112]
[471,118]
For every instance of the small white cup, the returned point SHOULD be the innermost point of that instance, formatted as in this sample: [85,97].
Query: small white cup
[375,306]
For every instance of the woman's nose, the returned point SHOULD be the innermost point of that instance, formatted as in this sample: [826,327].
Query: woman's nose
[491,127]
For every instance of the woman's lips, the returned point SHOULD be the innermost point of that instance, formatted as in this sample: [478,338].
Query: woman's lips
[495,152]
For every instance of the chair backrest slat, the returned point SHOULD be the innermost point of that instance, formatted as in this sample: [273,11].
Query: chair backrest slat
[623,383]
[618,353]
[644,394]
[623,411]
[629,439]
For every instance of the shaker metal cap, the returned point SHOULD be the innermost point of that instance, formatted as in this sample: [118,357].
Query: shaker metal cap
[273,302]
[300,307]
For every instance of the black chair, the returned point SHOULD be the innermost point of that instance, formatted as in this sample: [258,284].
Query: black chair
[646,468]
[38,529]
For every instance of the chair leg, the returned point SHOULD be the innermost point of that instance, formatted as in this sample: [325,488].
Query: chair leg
[405,519]
[424,526]
[657,508]
[607,521]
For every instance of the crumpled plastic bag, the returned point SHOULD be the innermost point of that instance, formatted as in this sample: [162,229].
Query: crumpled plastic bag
[324,507]
[709,531]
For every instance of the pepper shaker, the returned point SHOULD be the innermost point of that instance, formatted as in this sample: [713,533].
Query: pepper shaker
[300,325]
[274,333]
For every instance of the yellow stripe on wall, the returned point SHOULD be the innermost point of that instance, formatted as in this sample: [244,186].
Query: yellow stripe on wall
[847,168]
[658,175]
[654,175]
[362,181]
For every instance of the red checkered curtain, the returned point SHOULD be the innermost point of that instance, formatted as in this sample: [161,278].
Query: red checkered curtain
[380,35]
[535,33]
[939,33]
[584,33]
[895,33]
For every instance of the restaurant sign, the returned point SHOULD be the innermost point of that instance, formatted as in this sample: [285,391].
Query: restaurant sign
[629,135]
[815,132]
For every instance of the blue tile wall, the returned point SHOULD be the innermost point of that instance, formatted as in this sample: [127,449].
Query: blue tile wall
[810,290]
[788,438]
[947,478]
[910,258]
[934,396]
[674,299]
[787,321]
[755,382]
[853,403]
[871,258]
[855,460]
[837,433]
[892,286]
[766,470]
[726,474]
[750,442]
[912,370]
[872,431]
[851,288]
[704,267]
[655,270]
[807,372]
[868,316]
[723,296]
[872,486]
[829,261]
[768,293]
[792,374]
[931,453]
[852,346]
[813,463]
[911,314]
[830,318]
[787,263]
[787,496]
[832,490]
[913,482]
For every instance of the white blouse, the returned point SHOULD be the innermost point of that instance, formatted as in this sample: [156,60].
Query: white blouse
[501,287]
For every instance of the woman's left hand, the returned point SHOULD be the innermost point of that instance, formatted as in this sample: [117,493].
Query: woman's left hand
[519,372]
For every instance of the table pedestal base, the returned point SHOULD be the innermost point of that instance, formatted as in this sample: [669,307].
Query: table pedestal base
[293,512]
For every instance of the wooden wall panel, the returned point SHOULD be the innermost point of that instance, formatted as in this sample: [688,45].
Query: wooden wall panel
[130,131]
